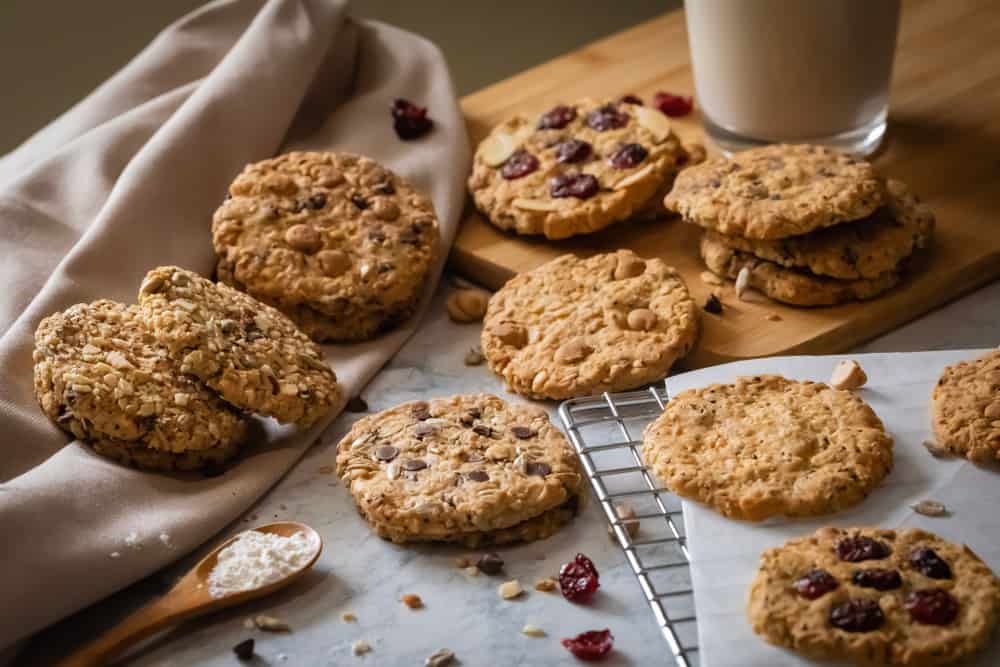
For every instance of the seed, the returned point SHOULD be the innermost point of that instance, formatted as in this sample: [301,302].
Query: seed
[360,647]
[412,601]
[271,624]
[742,282]
[532,630]
[546,585]
[509,590]
[930,508]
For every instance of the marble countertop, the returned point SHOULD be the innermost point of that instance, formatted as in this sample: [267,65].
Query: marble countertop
[364,575]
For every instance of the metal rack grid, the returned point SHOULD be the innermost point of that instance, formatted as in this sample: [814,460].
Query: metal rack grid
[606,431]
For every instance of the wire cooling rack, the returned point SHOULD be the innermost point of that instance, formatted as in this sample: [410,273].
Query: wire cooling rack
[607,434]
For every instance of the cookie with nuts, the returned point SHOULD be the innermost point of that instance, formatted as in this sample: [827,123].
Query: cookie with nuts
[472,469]
[776,191]
[768,446]
[100,376]
[575,168]
[337,241]
[575,327]
[875,597]
[965,408]
[253,355]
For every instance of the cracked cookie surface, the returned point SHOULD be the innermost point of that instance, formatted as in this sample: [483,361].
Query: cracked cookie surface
[767,446]
[879,628]
[472,469]
[575,327]
[333,235]
[254,356]
[965,408]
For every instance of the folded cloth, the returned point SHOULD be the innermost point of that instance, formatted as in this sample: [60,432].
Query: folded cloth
[128,180]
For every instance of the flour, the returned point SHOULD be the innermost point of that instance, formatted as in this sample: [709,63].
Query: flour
[256,559]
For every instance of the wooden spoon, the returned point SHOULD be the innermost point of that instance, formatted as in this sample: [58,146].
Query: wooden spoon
[188,598]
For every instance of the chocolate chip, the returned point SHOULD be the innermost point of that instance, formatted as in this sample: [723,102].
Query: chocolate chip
[475,412]
[478,476]
[421,411]
[359,201]
[386,452]
[414,464]
[490,564]
[377,234]
[317,202]
[483,430]
[467,419]
[523,432]
[356,404]
[411,234]
[146,423]
[538,469]
[424,429]
[713,305]
[384,188]
[244,650]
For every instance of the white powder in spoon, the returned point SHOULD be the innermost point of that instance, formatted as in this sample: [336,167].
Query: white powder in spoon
[256,559]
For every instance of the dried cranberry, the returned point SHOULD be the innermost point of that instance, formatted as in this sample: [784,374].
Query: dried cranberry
[556,118]
[815,584]
[630,99]
[673,105]
[628,156]
[519,164]
[578,579]
[877,578]
[926,561]
[932,606]
[581,186]
[409,120]
[606,118]
[573,150]
[859,548]
[591,645]
[857,615]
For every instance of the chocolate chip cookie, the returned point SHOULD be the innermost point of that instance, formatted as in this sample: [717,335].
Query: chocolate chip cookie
[100,375]
[965,408]
[337,241]
[767,446]
[875,597]
[250,353]
[574,169]
[471,469]
[575,327]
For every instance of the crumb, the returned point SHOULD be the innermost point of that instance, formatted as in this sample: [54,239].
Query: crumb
[348,617]
[532,630]
[271,624]
[412,601]
[132,540]
[249,624]
[283,507]
[326,470]
[474,356]
[545,585]
[165,539]
[115,554]
[462,562]
[360,647]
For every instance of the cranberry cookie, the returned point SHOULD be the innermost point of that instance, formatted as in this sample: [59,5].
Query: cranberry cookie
[966,408]
[875,597]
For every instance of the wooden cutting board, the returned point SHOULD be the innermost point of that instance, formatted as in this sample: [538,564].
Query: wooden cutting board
[944,141]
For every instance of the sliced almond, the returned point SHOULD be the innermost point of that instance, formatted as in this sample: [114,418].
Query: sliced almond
[654,121]
[497,147]
[634,177]
[536,204]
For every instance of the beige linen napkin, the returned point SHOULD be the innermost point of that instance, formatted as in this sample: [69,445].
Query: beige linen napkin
[128,180]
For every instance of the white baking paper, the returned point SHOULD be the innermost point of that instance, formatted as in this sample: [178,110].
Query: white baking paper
[725,552]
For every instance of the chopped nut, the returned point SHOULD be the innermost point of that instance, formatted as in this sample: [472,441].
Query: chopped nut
[742,282]
[511,334]
[474,356]
[532,630]
[545,585]
[641,319]
[930,508]
[440,658]
[360,647]
[271,624]
[627,515]
[848,374]
[710,278]
[936,450]
[412,601]
[509,590]
[348,617]
[467,305]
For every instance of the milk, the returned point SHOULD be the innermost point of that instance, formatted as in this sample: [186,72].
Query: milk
[793,70]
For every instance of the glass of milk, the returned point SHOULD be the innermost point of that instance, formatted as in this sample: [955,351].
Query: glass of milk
[799,71]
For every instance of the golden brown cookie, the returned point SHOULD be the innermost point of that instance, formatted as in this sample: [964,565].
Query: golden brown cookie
[575,327]
[776,191]
[965,408]
[574,169]
[767,446]
[875,597]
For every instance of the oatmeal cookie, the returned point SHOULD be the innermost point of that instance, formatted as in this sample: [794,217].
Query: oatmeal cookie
[471,469]
[100,375]
[250,353]
[863,249]
[574,327]
[875,597]
[767,446]
[333,235]
[574,169]
[793,286]
[776,191]
[965,408]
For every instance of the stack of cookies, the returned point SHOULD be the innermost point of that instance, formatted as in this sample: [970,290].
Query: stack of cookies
[469,469]
[805,225]
[166,384]
[335,241]
[577,168]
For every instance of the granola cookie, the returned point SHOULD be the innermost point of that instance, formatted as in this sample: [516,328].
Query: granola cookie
[776,191]
[793,286]
[471,469]
[101,376]
[575,327]
[965,408]
[767,446]
[333,235]
[875,597]
[863,249]
[574,169]
[250,353]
